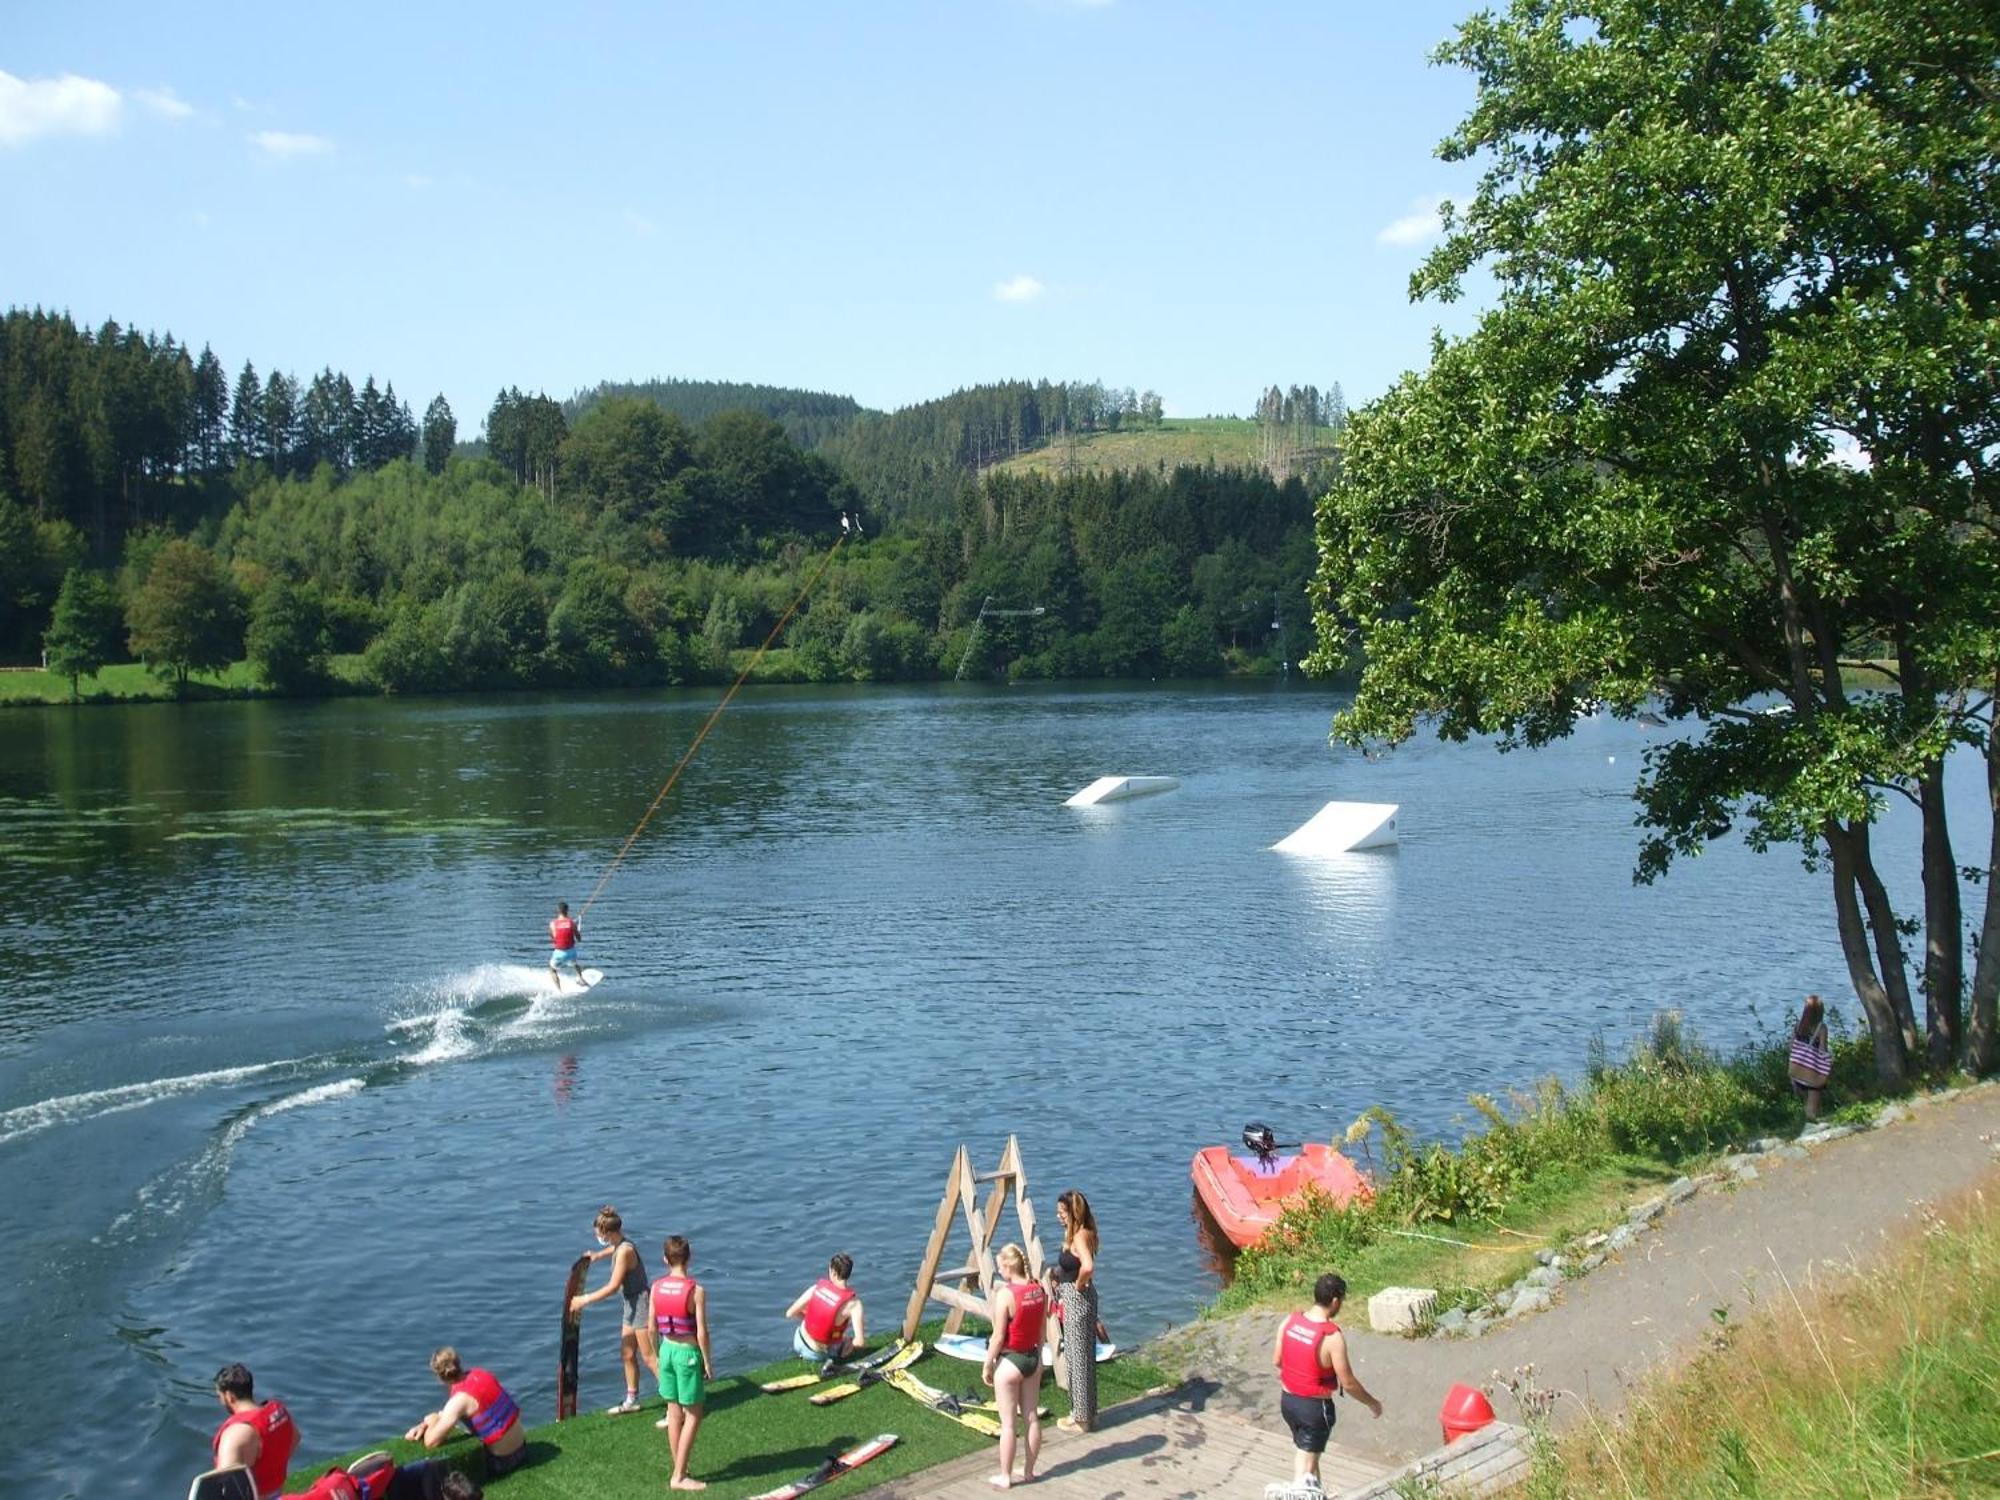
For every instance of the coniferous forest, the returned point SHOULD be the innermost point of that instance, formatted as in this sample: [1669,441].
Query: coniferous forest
[155,507]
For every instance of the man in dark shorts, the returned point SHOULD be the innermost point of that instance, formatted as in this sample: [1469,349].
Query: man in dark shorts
[1310,1356]
[628,1281]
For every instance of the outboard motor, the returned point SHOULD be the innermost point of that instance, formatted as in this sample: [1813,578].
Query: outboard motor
[1261,1143]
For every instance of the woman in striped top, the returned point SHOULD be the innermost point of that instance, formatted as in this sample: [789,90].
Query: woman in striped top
[1811,1061]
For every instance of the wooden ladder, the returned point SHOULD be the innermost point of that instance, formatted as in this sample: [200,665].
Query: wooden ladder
[965,1289]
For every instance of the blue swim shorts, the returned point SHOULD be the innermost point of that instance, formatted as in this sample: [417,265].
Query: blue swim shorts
[562,958]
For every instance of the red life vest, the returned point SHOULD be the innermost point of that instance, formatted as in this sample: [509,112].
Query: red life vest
[1031,1310]
[276,1438]
[496,1409]
[340,1484]
[829,1300]
[1299,1371]
[673,1306]
[562,932]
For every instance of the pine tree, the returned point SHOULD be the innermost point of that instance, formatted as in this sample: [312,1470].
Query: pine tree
[440,433]
[211,411]
[246,416]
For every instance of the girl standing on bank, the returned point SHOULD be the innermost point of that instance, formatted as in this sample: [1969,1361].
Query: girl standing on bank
[1811,1060]
[1014,1362]
[1076,1300]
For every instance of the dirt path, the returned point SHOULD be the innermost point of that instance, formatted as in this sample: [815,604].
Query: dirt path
[1722,1248]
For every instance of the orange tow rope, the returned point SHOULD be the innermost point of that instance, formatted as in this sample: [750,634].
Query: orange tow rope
[749,667]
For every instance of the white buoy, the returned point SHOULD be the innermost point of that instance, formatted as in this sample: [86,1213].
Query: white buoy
[1340,827]
[1118,788]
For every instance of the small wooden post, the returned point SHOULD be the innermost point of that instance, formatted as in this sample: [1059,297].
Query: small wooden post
[976,1276]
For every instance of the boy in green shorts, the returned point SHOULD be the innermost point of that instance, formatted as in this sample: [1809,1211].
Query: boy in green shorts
[680,1323]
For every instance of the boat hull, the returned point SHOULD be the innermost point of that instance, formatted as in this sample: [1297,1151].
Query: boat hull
[1246,1199]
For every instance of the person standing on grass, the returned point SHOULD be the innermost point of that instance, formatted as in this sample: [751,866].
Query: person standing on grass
[1811,1061]
[1076,1306]
[680,1323]
[1310,1356]
[628,1280]
[1014,1362]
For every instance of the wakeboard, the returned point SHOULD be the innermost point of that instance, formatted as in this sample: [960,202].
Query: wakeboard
[943,1403]
[590,979]
[224,1484]
[572,1340]
[901,1359]
[835,1466]
[972,1347]
[827,1371]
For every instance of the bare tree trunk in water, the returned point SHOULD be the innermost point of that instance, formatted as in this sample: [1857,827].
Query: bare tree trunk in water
[1895,976]
[1884,1025]
[1982,1050]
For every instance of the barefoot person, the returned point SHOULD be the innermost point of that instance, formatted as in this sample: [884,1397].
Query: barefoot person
[628,1280]
[1014,1362]
[258,1435]
[1310,1356]
[481,1402]
[1076,1306]
[680,1323]
[564,934]
[830,1319]
[1810,1062]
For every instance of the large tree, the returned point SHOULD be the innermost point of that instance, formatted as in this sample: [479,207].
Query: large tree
[83,635]
[440,432]
[1726,431]
[183,618]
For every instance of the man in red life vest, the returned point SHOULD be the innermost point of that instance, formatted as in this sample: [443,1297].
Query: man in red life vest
[377,1478]
[479,1401]
[1310,1356]
[259,1436]
[830,1326]
[564,934]
[680,1324]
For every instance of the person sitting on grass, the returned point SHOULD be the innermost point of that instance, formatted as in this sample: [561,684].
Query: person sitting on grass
[258,1435]
[628,1280]
[1310,1356]
[830,1327]
[479,1401]
[376,1478]
[680,1324]
[1013,1365]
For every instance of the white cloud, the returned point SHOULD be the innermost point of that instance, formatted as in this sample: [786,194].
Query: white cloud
[240,102]
[287,145]
[1022,288]
[1419,226]
[68,105]
[164,102]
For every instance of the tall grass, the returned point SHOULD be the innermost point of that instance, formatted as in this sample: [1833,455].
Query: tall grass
[1669,1100]
[1877,1382]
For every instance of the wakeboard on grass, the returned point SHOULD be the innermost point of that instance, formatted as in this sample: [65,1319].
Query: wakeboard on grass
[232,1483]
[846,1367]
[572,1340]
[836,1465]
[972,1347]
[942,1402]
[901,1359]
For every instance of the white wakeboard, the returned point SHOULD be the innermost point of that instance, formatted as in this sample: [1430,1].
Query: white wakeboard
[591,978]
[972,1347]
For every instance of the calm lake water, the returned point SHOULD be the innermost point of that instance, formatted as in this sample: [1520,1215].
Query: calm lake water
[278,1082]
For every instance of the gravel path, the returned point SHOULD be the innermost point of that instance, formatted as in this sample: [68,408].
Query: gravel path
[1722,1248]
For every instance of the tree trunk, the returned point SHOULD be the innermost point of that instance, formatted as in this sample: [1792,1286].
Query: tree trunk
[1895,975]
[1982,1049]
[1944,954]
[1891,1054]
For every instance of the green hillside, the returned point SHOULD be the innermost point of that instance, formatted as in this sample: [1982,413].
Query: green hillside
[1226,442]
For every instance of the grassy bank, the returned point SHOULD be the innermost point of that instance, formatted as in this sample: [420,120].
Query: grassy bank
[1548,1166]
[133,682]
[749,1442]
[1879,1384]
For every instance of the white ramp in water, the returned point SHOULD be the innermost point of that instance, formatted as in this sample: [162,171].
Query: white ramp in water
[1340,827]
[1118,788]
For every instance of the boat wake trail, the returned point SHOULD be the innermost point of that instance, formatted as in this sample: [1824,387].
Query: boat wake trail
[69,1109]
[484,1010]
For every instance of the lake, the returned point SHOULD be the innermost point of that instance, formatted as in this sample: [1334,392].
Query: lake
[280,1080]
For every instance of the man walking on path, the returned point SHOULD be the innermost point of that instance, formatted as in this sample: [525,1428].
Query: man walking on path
[1310,1356]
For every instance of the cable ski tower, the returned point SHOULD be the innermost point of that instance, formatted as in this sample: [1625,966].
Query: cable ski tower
[986,612]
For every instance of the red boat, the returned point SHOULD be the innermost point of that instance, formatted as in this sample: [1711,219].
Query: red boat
[1247,1191]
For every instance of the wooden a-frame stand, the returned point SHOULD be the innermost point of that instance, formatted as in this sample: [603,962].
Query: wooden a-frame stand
[964,1289]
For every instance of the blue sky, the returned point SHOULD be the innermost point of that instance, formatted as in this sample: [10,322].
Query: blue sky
[884,199]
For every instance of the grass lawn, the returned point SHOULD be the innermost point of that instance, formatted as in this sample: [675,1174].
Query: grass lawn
[1223,441]
[133,682]
[751,1442]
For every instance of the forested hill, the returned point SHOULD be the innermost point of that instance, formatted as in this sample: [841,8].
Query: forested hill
[810,419]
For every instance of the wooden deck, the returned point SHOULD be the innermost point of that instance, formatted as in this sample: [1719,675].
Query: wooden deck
[1161,1447]
[1485,1462]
